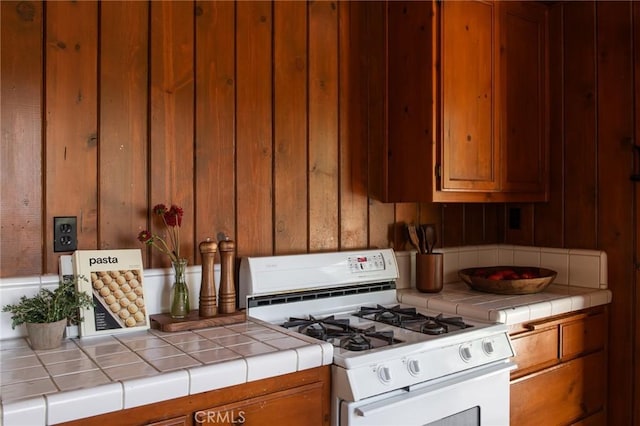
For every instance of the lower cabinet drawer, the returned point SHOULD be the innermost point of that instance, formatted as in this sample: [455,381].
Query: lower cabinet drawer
[301,405]
[535,350]
[583,336]
[562,394]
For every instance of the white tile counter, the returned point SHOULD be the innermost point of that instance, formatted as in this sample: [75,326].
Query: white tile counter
[458,298]
[581,282]
[90,376]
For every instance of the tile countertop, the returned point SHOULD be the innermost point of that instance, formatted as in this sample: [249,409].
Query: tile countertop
[458,298]
[581,282]
[97,375]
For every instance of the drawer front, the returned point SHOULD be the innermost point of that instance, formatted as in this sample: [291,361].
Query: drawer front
[535,349]
[585,335]
[562,394]
[288,407]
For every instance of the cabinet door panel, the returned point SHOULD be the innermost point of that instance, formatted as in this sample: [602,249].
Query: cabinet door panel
[560,395]
[524,127]
[468,75]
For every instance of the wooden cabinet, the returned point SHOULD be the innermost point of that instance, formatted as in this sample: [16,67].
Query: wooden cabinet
[279,408]
[524,121]
[466,102]
[292,399]
[561,376]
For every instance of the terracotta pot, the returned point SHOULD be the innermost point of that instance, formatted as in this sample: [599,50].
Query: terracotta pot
[46,335]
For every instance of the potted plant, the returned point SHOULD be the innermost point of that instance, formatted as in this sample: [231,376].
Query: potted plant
[47,313]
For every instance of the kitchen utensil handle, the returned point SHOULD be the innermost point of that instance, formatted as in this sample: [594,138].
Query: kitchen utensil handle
[430,237]
[413,237]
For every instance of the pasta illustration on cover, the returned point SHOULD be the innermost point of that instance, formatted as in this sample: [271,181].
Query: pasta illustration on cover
[115,279]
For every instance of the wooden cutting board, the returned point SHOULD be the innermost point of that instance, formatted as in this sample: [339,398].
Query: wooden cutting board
[193,321]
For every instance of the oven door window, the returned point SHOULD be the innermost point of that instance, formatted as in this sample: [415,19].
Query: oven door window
[470,417]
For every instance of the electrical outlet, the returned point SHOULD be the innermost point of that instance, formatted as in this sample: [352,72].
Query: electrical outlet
[65,233]
[515,214]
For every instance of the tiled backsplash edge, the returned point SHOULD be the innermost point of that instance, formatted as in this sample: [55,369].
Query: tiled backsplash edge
[575,267]
[157,283]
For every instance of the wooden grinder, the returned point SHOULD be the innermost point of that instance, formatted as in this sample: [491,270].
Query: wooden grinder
[227,302]
[208,306]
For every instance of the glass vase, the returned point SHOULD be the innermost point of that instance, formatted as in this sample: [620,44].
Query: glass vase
[179,291]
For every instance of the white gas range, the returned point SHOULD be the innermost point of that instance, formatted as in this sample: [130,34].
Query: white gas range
[393,364]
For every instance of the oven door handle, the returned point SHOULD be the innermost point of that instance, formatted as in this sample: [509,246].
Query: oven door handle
[373,409]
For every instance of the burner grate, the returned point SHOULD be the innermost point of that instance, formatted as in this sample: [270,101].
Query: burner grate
[338,330]
[411,319]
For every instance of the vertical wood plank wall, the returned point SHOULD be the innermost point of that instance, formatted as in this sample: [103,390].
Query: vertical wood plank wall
[252,116]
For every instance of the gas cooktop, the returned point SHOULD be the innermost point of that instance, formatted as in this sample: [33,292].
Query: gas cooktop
[372,327]
[375,332]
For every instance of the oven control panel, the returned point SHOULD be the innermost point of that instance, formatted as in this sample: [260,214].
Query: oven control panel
[364,263]
[378,375]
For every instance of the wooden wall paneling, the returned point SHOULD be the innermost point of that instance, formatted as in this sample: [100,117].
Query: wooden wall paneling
[452,229]
[21,209]
[290,127]
[405,213]
[483,223]
[323,127]
[374,49]
[172,117]
[524,68]
[353,127]
[254,177]
[636,347]
[381,215]
[615,118]
[549,217]
[215,85]
[580,125]
[381,224]
[429,213]
[123,163]
[492,223]
[410,100]
[473,214]
[71,140]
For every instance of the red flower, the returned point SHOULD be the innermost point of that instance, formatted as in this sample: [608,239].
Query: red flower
[172,219]
[145,236]
[159,209]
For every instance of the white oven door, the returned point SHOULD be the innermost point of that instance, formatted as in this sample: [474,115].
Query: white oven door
[476,397]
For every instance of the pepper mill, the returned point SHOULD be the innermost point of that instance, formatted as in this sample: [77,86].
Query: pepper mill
[227,301]
[208,305]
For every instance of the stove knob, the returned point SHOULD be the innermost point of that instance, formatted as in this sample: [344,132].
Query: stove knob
[414,367]
[465,353]
[487,347]
[384,374]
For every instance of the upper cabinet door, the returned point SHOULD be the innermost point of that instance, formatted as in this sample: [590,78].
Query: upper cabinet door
[524,128]
[468,101]
[464,86]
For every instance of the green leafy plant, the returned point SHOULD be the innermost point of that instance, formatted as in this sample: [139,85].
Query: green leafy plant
[48,306]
